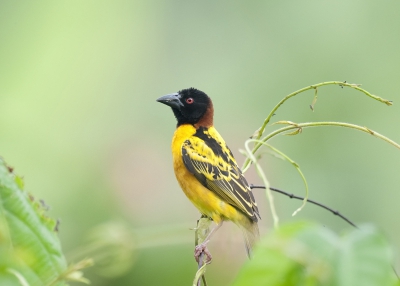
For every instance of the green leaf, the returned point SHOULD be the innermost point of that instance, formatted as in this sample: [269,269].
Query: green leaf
[307,254]
[29,245]
[365,259]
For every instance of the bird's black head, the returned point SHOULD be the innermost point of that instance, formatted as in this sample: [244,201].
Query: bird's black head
[190,106]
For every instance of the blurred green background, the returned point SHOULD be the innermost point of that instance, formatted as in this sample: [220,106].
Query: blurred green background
[79,120]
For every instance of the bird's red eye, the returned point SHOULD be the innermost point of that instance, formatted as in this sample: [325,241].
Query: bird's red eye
[189,100]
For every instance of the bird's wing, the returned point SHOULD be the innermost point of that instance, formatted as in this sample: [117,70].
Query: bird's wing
[208,158]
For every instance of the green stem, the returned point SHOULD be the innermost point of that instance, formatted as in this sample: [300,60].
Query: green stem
[315,86]
[298,128]
[324,123]
[260,172]
[283,155]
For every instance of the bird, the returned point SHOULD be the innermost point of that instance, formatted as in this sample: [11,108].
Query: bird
[206,169]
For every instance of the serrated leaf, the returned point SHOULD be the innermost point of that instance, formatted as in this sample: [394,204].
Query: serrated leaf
[29,245]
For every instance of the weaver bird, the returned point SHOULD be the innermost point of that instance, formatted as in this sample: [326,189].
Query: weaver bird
[206,169]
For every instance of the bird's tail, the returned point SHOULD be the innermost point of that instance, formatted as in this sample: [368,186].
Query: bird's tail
[250,233]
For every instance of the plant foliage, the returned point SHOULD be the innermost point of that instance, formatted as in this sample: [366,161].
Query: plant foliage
[306,254]
[29,245]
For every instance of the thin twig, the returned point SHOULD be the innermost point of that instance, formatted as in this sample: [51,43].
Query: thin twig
[203,277]
[301,126]
[260,131]
[261,173]
[292,196]
[200,234]
[198,268]
[285,157]
[315,86]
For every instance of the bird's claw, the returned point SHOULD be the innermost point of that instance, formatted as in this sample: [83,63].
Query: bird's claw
[202,248]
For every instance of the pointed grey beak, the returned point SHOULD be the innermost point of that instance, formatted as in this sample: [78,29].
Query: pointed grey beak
[172,100]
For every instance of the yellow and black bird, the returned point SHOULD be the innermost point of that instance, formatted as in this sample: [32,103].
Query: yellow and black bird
[206,169]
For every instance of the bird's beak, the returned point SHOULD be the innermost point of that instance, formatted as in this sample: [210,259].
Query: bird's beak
[172,100]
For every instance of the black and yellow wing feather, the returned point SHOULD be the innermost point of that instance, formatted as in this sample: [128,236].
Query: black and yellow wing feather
[207,157]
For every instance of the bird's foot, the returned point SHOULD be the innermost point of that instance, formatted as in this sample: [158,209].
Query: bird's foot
[200,249]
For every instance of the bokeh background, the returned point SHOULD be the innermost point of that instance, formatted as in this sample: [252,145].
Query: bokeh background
[79,120]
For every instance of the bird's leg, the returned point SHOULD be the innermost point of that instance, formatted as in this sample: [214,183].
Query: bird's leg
[202,247]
